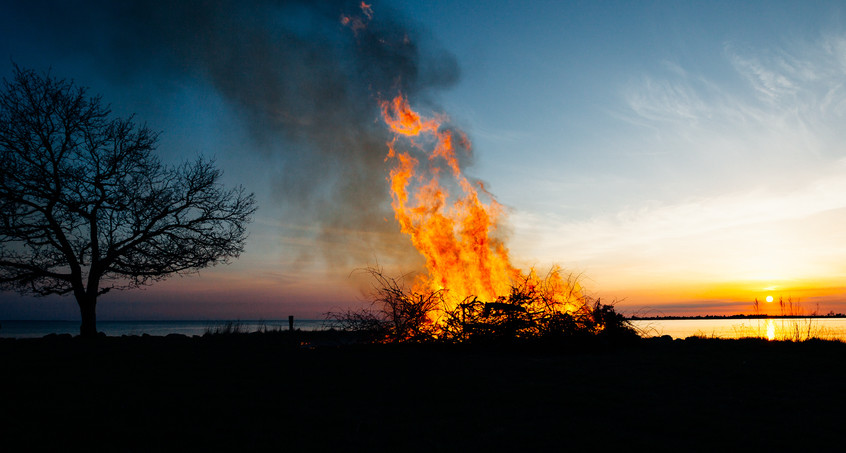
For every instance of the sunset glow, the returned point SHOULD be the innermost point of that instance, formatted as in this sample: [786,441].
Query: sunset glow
[682,159]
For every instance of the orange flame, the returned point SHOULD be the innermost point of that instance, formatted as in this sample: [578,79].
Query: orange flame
[455,234]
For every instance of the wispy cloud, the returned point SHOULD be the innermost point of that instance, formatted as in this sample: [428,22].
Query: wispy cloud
[805,81]
[666,100]
[653,222]
[764,137]
[770,84]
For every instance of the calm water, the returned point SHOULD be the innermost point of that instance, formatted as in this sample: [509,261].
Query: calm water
[37,329]
[795,329]
[776,329]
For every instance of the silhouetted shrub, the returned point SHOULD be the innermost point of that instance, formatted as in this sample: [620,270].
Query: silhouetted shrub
[535,309]
[227,328]
[368,323]
[396,313]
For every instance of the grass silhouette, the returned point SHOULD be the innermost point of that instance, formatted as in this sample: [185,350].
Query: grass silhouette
[260,391]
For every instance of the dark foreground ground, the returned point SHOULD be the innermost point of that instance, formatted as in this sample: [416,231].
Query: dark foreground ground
[268,392]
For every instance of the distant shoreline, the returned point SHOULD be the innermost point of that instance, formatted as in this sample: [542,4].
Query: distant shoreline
[316,320]
[759,316]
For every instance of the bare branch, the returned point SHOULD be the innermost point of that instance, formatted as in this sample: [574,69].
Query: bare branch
[84,201]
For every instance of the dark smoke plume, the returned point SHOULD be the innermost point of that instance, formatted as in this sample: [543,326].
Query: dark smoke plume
[292,69]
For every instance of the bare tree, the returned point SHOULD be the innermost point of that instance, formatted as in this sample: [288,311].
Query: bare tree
[87,207]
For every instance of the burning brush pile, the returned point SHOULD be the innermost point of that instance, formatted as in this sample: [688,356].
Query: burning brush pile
[470,290]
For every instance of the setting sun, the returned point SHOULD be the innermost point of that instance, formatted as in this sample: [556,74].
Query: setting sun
[769,298]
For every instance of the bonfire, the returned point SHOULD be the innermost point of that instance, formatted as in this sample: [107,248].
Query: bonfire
[470,285]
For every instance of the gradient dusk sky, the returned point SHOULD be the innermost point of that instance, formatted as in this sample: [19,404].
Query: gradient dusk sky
[685,157]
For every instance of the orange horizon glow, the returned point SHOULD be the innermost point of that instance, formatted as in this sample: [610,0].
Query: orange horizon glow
[730,298]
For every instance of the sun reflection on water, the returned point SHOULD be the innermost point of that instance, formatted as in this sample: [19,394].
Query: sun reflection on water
[770,330]
[779,329]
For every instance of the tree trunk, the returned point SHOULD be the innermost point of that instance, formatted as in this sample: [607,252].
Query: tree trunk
[88,328]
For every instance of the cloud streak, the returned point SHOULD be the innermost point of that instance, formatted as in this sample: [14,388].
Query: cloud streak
[756,170]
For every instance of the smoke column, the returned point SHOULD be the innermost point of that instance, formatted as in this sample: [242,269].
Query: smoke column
[295,73]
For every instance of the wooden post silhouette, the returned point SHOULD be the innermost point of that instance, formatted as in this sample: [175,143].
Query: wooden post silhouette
[291,323]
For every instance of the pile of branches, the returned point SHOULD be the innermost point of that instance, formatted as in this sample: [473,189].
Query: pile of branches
[549,308]
[396,314]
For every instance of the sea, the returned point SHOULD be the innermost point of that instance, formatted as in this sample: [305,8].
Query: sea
[796,329]
[38,329]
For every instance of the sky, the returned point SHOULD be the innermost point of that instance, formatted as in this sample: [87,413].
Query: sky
[682,157]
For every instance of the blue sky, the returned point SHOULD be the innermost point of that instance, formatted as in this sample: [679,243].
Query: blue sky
[684,156]
[679,155]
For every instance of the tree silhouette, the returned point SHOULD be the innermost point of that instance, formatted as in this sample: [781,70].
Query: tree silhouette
[86,207]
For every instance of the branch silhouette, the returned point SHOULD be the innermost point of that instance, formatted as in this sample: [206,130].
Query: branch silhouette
[87,207]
